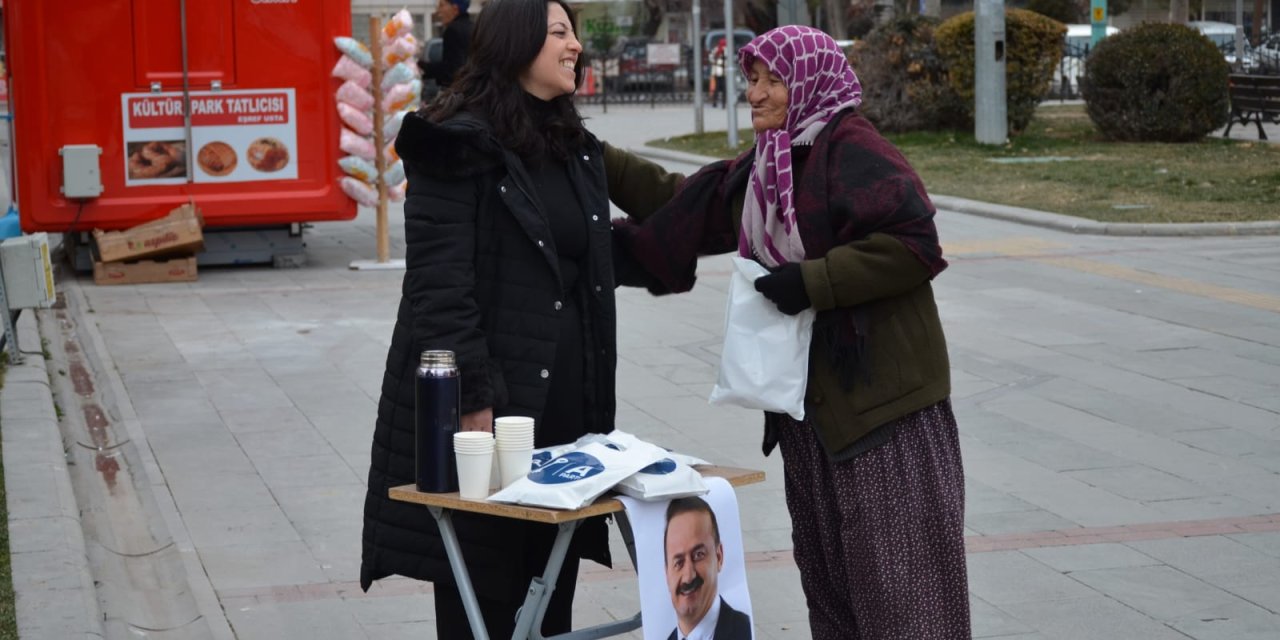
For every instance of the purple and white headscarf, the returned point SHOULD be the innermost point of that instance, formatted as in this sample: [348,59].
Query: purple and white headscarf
[820,83]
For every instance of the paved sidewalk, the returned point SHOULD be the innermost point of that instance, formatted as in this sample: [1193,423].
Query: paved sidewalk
[1119,402]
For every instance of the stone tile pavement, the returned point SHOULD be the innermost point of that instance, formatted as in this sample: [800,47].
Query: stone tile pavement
[1119,403]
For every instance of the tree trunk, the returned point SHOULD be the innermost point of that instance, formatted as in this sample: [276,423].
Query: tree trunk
[1178,10]
[836,26]
[1258,17]
[653,10]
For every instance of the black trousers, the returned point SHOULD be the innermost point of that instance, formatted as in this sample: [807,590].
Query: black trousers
[500,615]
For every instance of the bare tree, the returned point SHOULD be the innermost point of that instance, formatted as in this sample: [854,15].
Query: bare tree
[653,10]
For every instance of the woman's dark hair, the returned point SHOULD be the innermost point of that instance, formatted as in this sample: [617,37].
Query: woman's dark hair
[508,35]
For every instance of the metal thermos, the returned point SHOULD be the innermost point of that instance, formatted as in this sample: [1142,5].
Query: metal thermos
[437,396]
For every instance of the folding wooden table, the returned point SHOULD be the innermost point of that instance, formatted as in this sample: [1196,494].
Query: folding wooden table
[529,620]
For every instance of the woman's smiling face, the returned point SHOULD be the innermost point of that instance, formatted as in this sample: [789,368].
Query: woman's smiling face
[552,73]
[767,94]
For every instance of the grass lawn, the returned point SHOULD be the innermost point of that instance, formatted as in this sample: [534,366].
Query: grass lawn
[1214,180]
[8,617]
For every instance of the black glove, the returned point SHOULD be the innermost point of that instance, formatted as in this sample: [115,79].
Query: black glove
[785,288]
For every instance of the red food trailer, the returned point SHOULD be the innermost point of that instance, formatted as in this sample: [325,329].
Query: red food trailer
[125,109]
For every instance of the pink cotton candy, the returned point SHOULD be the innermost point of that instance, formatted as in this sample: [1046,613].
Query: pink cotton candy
[359,121]
[352,94]
[360,192]
[401,96]
[399,24]
[356,145]
[347,69]
[399,49]
[396,193]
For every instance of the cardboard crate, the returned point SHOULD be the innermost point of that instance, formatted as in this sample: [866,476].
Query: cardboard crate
[143,271]
[179,232]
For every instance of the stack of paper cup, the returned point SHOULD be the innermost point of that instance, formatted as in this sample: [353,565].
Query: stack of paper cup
[474,452]
[514,436]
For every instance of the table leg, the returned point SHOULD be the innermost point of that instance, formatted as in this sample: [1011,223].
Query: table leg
[444,518]
[540,589]
[529,620]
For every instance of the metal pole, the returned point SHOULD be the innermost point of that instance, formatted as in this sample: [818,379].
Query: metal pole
[695,32]
[991,124]
[186,90]
[730,75]
[1240,34]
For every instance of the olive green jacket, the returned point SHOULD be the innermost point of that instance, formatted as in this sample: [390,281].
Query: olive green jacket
[908,366]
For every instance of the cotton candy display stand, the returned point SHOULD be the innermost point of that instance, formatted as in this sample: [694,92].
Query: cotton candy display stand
[371,115]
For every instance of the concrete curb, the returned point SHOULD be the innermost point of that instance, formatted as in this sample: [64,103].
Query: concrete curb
[197,581]
[1032,217]
[1072,224]
[53,586]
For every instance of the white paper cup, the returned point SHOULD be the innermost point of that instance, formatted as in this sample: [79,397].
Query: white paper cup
[516,429]
[473,475]
[472,440]
[514,464]
[474,453]
[512,421]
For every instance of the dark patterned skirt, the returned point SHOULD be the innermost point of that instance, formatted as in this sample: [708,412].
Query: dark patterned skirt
[879,538]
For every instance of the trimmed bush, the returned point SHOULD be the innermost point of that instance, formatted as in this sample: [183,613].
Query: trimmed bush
[1156,82]
[1066,11]
[904,84]
[1033,48]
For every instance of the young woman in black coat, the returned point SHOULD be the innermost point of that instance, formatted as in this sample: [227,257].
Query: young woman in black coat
[509,266]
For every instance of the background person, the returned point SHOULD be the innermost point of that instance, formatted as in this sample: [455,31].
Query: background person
[455,41]
[718,65]
[694,557]
[508,265]
[873,475]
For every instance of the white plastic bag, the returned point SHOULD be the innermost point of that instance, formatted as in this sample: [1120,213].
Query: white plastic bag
[672,476]
[576,477]
[765,360]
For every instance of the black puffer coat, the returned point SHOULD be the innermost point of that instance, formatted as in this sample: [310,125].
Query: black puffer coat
[482,280]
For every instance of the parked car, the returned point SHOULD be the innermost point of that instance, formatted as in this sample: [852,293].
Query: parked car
[1223,34]
[1268,53]
[632,71]
[1075,48]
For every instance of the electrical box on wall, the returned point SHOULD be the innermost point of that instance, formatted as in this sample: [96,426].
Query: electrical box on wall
[81,177]
[28,271]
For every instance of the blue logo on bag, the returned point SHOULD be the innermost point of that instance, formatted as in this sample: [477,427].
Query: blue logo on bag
[570,467]
[540,458]
[661,467]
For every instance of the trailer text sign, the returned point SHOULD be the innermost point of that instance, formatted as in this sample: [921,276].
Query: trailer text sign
[236,136]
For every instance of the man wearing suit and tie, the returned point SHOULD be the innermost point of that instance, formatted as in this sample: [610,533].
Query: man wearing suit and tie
[693,559]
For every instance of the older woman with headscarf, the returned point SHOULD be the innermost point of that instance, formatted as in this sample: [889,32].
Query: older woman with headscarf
[873,476]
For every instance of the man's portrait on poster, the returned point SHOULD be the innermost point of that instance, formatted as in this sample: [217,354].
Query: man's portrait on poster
[694,555]
[692,572]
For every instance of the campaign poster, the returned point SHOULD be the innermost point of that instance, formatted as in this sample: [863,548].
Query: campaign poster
[236,136]
[691,566]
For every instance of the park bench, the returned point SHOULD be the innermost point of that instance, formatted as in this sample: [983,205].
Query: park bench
[1253,99]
